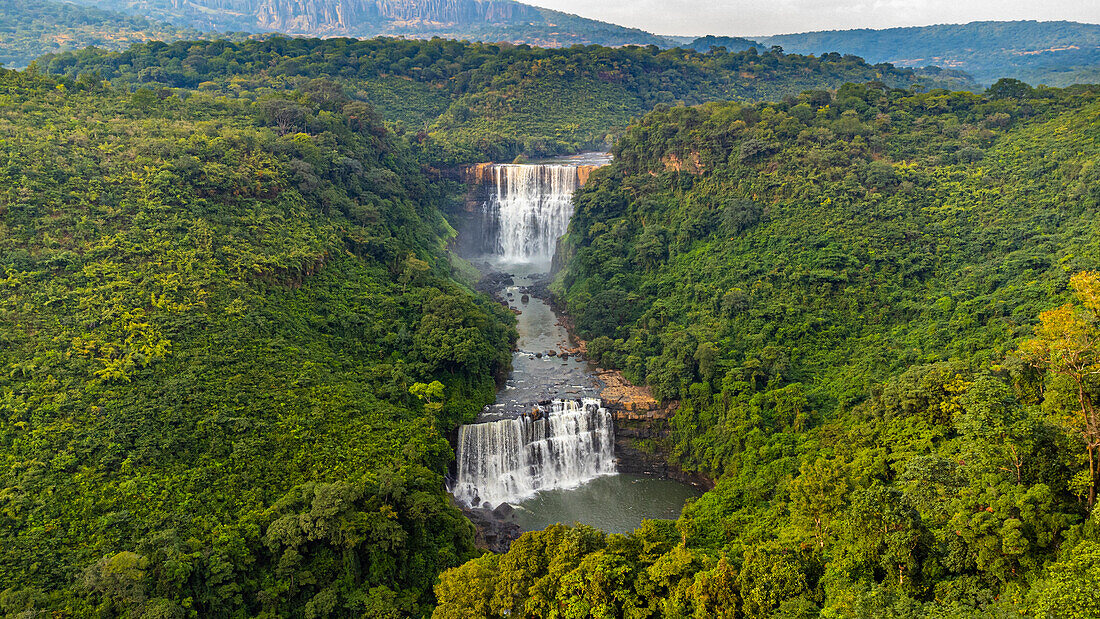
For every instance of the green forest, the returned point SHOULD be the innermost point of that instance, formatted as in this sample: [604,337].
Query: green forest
[216,315]
[879,313]
[468,102]
[234,339]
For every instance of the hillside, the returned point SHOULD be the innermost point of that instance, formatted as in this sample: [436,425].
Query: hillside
[463,102]
[476,20]
[1051,53]
[733,44]
[213,320]
[880,315]
[30,28]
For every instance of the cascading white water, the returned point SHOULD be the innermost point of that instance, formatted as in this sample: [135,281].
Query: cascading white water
[533,204]
[509,460]
[525,210]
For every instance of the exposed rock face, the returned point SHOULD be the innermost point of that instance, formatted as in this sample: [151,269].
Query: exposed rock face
[496,529]
[642,419]
[637,423]
[455,11]
[350,15]
[584,171]
[477,20]
[356,16]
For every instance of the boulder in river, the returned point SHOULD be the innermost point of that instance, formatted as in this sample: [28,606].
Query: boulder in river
[496,528]
[504,511]
[494,281]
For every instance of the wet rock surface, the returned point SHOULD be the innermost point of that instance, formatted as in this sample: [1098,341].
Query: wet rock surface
[493,282]
[540,372]
[496,529]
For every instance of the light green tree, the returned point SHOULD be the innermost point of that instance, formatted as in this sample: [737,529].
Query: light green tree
[431,394]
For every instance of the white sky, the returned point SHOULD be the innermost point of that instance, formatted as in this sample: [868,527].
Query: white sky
[756,17]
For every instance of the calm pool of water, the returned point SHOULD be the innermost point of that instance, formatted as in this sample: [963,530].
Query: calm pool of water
[616,504]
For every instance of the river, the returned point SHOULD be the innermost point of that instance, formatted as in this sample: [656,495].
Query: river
[546,446]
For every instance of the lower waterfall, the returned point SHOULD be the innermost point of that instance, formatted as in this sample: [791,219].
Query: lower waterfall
[512,459]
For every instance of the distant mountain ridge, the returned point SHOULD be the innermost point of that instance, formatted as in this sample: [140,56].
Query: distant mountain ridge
[1052,53]
[485,20]
[1056,53]
[31,28]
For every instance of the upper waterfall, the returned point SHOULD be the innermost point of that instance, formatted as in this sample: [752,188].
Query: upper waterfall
[517,212]
[532,205]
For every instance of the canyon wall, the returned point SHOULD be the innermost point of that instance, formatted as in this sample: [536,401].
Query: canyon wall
[358,16]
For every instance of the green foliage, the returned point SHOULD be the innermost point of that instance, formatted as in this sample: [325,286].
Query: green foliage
[846,361]
[231,344]
[221,377]
[849,246]
[1069,588]
[468,102]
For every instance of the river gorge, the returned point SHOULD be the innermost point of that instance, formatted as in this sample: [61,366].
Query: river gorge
[547,449]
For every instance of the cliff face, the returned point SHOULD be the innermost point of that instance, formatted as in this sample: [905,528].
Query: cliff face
[459,12]
[351,16]
[477,20]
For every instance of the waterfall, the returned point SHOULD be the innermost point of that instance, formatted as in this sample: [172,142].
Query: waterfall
[532,205]
[509,460]
[517,214]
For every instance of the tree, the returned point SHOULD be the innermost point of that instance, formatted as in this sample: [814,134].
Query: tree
[1067,344]
[1008,88]
[770,574]
[284,114]
[706,356]
[431,395]
[467,590]
[995,430]
[120,577]
[143,99]
[1070,586]
[819,494]
[413,271]
[885,538]
[715,592]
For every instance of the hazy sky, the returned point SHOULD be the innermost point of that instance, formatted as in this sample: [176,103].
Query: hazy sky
[748,17]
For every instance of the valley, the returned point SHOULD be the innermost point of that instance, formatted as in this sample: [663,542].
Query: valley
[423,327]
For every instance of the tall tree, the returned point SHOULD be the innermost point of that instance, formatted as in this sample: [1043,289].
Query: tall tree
[1067,344]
